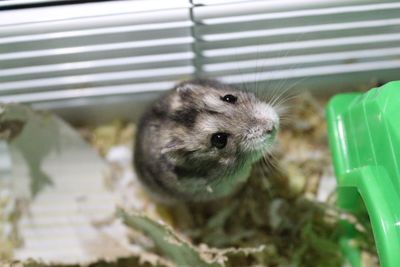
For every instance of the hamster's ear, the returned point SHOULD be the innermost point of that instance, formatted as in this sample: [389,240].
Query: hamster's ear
[185,89]
[174,145]
[174,150]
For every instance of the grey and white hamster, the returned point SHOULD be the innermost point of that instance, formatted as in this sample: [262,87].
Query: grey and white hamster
[198,141]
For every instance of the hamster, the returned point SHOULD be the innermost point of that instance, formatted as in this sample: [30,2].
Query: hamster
[198,141]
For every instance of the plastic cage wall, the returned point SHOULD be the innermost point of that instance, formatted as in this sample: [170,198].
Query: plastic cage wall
[113,56]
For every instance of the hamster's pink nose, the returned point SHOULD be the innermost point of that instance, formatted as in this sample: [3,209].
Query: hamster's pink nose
[270,130]
[261,131]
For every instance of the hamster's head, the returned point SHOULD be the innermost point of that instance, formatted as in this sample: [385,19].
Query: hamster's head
[219,132]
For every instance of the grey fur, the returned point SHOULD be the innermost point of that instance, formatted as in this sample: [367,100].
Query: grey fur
[174,157]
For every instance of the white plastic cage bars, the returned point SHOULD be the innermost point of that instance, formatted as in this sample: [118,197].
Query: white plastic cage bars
[91,53]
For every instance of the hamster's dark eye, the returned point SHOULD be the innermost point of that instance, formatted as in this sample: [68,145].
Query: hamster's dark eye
[229,98]
[219,140]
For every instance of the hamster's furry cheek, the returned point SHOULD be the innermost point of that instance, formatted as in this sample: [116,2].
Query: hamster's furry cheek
[224,161]
[207,124]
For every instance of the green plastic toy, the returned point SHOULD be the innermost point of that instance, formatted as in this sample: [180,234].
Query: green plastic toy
[364,136]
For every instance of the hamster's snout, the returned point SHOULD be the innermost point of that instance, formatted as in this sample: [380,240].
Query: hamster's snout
[261,131]
[270,130]
[266,118]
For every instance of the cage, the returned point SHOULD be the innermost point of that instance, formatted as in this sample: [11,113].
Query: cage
[90,62]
